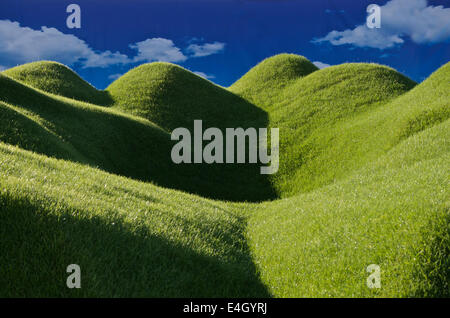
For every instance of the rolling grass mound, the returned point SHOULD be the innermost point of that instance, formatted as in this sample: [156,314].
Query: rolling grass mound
[131,239]
[28,133]
[117,143]
[172,97]
[96,135]
[374,188]
[263,82]
[316,113]
[394,213]
[58,79]
[364,180]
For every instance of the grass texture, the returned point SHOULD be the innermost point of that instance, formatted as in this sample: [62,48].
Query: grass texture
[86,178]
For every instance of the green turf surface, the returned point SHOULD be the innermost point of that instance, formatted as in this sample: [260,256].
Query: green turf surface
[58,79]
[117,143]
[131,239]
[86,178]
[393,213]
[172,97]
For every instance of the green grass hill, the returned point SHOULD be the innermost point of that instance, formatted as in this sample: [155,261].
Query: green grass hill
[316,112]
[328,134]
[172,97]
[363,179]
[264,81]
[131,239]
[58,79]
[117,143]
[394,213]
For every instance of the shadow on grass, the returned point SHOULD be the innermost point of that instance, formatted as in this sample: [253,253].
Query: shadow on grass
[225,181]
[115,260]
[126,147]
[101,98]
[435,259]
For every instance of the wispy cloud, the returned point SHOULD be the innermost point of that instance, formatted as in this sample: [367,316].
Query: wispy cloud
[19,45]
[158,49]
[204,75]
[206,49]
[114,76]
[399,19]
[321,65]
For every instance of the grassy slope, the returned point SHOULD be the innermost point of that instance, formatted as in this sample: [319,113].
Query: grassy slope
[117,143]
[394,213]
[311,112]
[264,82]
[56,78]
[340,135]
[130,238]
[104,138]
[331,222]
[172,97]
[28,133]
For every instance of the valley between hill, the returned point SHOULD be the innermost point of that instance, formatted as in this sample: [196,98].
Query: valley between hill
[86,178]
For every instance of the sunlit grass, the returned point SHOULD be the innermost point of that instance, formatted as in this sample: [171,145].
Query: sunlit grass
[363,180]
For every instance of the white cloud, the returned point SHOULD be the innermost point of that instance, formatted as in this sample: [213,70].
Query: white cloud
[399,19]
[2,68]
[205,49]
[114,76]
[105,59]
[20,45]
[362,36]
[158,49]
[204,75]
[321,65]
[195,39]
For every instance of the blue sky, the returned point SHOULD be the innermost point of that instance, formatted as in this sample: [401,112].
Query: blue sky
[223,39]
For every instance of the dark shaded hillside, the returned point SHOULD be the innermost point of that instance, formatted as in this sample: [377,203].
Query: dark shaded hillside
[323,117]
[172,97]
[315,114]
[131,239]
[18,129]
[116,143]
[364,179]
